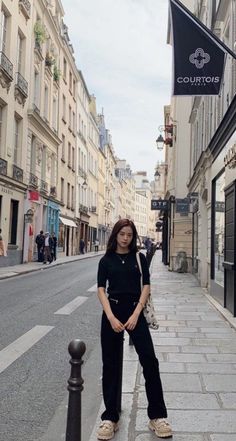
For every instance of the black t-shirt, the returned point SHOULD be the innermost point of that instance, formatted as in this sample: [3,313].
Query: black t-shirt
[122,278]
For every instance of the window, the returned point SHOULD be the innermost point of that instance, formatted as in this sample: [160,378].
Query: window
[68,195]
[33,155]
[63,148]
[3,31]
[43,163]
[218,229]
[46,102]
[36,88]
[72,197]
[17,142]
[64,108]
[53,170]
[2,129]
[19,54]
[69,154]
[70,82]
[62,190]
[73,88]
[64,69]
[13,222]
[54,113]
[73,158]
[70,127]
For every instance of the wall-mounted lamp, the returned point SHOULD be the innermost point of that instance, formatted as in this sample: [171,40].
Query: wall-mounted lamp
[84,185]
[160,142]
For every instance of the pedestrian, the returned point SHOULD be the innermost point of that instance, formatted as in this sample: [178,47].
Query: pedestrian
[2,245]
[81,246]
[47,248]
[40,245]
[123,310]
[96,245]
[54,246]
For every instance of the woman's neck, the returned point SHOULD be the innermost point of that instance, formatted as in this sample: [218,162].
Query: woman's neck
[120,250]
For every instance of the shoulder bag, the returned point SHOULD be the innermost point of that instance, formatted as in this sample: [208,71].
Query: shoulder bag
[148,310]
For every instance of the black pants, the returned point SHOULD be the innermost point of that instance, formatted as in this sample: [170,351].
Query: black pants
[111,343]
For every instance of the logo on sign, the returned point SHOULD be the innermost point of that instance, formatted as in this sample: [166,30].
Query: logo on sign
[199,58]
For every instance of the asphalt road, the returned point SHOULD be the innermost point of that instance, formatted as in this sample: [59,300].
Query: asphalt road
[33,388]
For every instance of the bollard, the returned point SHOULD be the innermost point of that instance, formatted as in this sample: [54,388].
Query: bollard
[76,349]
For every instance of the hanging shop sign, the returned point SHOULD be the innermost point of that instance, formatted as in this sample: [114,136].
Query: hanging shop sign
[182,205]
[159,204]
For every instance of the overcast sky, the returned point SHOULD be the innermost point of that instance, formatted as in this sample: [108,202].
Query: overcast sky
[120,46]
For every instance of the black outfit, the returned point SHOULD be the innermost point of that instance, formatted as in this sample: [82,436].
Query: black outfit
[123,276]
[54,247]
[40,246]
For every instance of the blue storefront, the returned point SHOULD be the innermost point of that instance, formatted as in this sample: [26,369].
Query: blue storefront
[53,218]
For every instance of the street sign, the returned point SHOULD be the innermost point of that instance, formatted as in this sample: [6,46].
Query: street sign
[159,204]
[182,205]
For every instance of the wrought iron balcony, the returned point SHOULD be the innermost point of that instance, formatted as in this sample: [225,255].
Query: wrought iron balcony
[83,208]
[44,186]
[17,173]
[93,209]
[21,88]
[6,71]
[3,167]
[53,191]
[25,7]
[33,180]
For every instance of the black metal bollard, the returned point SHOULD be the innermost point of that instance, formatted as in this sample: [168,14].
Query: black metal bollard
[76,349]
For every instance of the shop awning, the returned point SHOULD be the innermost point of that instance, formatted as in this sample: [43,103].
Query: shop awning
[68,222]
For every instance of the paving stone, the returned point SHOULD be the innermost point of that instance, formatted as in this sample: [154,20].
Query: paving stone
[160,349]
[171,322]
[202,421]
[181,383]
[163,335]
[226,330]
[203,324]
[223,437]
[186,358]
[171,341]
[200,349]
[177,437]
[172,367]
[224,358]
[184,400]
[228,400]
[184,329]
[220,368]
[129,375]
[220,383]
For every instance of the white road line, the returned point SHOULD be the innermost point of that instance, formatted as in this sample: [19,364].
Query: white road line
[13,351]
[93,288]
[71,306]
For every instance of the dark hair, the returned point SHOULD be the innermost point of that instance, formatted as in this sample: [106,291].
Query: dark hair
[112,242]
[41,231]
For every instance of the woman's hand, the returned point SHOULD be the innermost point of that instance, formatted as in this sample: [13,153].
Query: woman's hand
[116,325]
[132,321]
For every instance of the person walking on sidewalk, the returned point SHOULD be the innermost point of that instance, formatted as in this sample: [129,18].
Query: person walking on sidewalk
[123,310]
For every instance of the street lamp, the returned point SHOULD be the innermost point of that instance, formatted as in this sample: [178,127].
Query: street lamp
[160,142]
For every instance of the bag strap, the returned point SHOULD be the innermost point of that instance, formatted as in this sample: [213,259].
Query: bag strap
[140,269]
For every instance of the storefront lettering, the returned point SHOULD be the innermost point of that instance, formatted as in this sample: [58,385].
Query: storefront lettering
[230,158]
[6,190]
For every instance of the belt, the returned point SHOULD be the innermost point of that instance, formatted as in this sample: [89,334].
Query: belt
[122,301]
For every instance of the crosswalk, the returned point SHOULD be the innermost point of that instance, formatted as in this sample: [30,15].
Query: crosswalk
[22,344]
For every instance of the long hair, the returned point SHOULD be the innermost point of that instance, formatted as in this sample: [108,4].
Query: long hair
[112,241]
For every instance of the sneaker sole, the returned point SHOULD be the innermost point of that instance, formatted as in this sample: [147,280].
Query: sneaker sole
[160,435]
[104,437]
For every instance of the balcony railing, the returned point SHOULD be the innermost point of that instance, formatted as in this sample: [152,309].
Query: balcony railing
[83,208]
[6,67]
[82,173]
[43,186]
[21,84]
[33,180]
[25,7]
[3,167]
[93,209]
[53,191]
[17,173]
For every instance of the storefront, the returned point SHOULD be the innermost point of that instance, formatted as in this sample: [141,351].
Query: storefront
[67,236]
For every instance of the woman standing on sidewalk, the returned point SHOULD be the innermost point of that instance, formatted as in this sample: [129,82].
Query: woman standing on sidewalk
[122,310]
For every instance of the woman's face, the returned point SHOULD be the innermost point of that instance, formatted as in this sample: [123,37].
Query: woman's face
[124,237]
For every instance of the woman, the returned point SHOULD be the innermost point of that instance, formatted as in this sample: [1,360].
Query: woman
[122,310]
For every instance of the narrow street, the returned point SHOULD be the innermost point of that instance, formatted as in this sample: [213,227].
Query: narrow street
[53,307]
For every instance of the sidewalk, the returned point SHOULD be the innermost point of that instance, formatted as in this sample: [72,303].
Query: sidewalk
[24,268]
[196,347]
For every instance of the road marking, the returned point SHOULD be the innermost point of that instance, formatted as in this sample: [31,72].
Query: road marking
[71,306]
[93,288]
[13,351]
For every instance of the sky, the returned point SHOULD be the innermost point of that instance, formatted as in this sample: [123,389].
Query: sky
[120,47]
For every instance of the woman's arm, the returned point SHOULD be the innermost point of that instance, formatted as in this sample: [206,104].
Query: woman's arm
[116,325]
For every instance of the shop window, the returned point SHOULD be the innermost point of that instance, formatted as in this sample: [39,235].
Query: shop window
[218,229]
[13,222]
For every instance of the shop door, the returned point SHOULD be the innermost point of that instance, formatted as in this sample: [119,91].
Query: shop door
[230,249]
